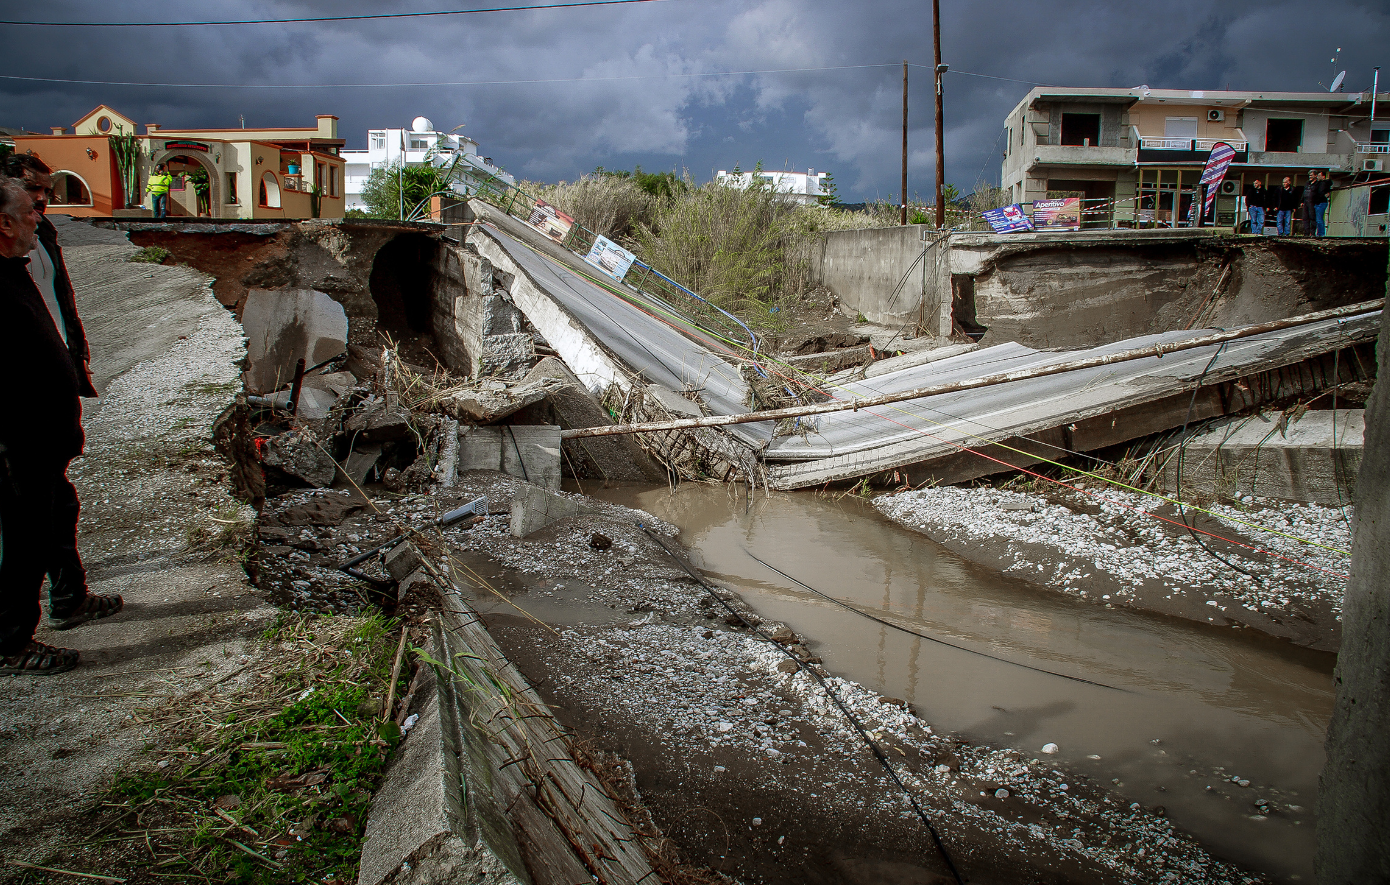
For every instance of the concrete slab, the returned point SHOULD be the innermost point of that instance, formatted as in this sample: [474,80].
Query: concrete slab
[1313,459]
[534,508]
[529,451]
[286,325]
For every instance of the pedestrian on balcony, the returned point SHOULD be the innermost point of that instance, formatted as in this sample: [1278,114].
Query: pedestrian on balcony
[1321,189]
[158,188]
[1285,201]
[1256,201]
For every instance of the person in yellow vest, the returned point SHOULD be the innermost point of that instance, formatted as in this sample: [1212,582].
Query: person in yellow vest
[158,188]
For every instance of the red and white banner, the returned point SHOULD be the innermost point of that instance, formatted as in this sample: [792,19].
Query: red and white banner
[1218,161]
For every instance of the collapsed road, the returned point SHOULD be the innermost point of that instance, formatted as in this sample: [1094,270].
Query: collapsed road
[714,735]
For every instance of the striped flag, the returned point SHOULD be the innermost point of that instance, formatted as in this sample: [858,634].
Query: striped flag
[1218,161]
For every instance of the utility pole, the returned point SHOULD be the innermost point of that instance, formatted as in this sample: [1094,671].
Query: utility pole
[903,192]
[940,136]
[400,179]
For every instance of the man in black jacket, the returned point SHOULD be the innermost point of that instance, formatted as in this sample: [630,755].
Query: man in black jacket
[69,602]
[1255,203]
[40,432]
[1286,200]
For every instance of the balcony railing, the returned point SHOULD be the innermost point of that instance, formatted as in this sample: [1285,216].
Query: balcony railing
[1378,148]
[1149,143]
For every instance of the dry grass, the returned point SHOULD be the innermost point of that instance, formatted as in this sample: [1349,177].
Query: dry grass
[603,204]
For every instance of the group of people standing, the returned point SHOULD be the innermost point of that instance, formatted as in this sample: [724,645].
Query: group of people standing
[43,350]
[1283,201]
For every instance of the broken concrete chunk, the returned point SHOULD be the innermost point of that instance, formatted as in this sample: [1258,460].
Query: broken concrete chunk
[286,325]
[378,422]
[489,401]
[360,461]
[534,508]
[403,559]
[297,453]
[673,402]
[528,451]
[340,383]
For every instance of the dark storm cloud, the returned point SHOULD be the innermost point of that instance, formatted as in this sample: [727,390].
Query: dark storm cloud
[847,121]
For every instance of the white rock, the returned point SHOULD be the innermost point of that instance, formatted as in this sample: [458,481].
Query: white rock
[1049,749]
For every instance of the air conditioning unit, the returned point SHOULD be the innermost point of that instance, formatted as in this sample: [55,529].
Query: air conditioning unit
[1229,187]
[1372,165]
[1216,115]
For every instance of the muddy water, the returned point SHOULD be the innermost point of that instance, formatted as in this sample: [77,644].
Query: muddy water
[1191,706]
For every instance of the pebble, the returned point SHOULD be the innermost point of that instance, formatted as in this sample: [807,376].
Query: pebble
[1050,749]
[1001,793]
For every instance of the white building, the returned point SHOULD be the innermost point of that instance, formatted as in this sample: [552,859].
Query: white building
[802,187]
[420,144]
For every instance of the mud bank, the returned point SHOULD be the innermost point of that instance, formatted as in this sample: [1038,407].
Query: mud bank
[1241,566]
[742,760]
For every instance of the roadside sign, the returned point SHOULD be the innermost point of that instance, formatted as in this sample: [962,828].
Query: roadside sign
[1008,220]
[610,258]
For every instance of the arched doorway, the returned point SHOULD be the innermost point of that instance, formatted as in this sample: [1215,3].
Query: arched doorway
[196,190]
[269,192]
[69,190]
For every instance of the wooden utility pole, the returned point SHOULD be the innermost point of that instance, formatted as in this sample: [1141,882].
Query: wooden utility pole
[903,192]
[940,136]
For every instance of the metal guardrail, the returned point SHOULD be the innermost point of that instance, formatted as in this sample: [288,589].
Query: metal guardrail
[1377,148]
[1149,143]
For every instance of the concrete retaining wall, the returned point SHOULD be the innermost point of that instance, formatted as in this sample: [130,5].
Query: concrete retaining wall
[1079,289]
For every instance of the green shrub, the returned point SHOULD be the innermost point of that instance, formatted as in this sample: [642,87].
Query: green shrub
[151,255]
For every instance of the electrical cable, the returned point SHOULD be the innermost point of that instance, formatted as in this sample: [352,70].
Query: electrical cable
[854,721]
[872,617]
[1181,451]
[323,18]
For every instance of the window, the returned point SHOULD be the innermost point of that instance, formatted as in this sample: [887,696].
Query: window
[1380,136]
[1380,200]
[1284,136]
[378,141]
[103,124]
[1179,127]
[231,187]
[270,191]
[333,181]
[1081,130]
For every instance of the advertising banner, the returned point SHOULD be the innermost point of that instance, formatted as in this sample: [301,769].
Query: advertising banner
[1064,214]
[1218,161]
[610,258]
[1008,219]
[550,221]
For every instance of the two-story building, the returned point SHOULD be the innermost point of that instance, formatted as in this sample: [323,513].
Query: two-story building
[419,145]
[798,187]
[99,170]
[1142,150]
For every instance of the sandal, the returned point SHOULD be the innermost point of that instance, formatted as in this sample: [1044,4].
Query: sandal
[92,608]
[38,659]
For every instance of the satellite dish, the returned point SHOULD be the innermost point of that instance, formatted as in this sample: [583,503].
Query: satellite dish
[1337,83]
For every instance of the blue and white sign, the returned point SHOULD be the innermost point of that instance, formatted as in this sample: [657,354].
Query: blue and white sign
[610,258]
[1008,219]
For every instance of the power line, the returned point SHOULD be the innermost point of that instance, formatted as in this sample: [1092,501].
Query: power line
[77,82]
[323,18]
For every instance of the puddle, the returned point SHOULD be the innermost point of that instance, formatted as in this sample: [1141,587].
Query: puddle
[559,602]
[1193,699]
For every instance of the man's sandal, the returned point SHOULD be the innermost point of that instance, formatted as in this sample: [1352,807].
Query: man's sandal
[38,659]
[92,608]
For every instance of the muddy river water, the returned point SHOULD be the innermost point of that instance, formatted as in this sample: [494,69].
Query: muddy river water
[1190,713]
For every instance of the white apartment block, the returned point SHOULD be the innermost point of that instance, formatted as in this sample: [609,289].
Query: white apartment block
[420,144]
[801,187]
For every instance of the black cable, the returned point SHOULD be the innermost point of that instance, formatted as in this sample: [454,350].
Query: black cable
[520,459]
[863,733]
[324,18]
[1182,450]
[886,623]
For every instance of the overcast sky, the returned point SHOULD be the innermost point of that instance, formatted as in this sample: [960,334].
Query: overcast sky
[844,121]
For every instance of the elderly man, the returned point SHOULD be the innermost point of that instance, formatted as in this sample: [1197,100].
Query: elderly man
[69,602]
[40,432]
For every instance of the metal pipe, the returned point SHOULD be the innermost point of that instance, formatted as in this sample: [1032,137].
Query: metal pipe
[1158,350]
[297,386]
[940,116]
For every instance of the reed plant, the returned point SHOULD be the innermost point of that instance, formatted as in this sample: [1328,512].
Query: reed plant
[607,205]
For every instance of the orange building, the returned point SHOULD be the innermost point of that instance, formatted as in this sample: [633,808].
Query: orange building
[218,173]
